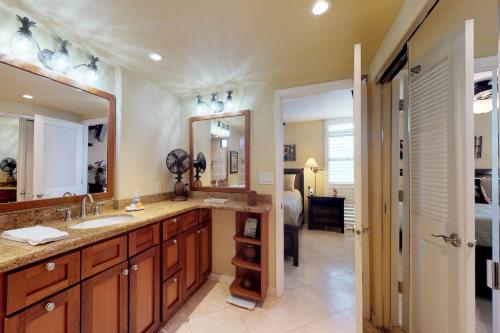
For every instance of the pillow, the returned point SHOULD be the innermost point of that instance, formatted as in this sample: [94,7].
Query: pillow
[289,182]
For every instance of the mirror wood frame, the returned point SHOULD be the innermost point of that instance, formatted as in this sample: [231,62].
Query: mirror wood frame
[45,203]
[192,120]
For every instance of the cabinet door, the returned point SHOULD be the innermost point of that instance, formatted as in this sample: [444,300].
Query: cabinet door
[190,279]
[172,295]
[205,265]
[172,256]
[105,301]
[58,314]
[145,291]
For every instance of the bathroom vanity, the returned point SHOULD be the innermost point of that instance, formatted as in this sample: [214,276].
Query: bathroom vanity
[129,277]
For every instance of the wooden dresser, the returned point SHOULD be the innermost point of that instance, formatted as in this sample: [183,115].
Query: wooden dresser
[326,213]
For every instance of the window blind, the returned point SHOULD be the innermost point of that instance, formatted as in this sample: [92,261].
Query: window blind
[340,152]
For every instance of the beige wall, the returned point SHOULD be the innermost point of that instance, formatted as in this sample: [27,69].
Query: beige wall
[309,138]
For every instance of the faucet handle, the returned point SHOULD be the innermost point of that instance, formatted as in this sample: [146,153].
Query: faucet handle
[69,215]
[97,207]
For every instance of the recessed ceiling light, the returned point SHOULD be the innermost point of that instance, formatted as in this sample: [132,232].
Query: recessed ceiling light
[25,96]
[321,6]
[155,56]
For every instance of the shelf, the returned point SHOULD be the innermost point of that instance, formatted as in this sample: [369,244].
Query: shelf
[242,239]
[239,262]
[236,290]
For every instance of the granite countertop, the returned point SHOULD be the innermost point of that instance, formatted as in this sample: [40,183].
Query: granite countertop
[16,254]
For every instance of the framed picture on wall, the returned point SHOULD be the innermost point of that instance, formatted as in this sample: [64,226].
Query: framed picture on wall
[233,161]
[289,153]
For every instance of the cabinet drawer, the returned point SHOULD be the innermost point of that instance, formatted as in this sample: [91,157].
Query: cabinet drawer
[172,227]
[34,283]
[172,256]
[190,220]
[171,295]
[97,258]
[59,313]
[204,215]
[143,239]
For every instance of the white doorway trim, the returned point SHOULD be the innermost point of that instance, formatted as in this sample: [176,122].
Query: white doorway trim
[280,96]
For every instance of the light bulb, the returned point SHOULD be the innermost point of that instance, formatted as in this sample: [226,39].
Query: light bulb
[24,47]
[60,62]
[321,6]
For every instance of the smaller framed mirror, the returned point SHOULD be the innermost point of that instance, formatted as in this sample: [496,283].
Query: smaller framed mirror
[219,146]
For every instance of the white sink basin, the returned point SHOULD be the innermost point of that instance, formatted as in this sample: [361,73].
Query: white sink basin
[104,221]
[217,201]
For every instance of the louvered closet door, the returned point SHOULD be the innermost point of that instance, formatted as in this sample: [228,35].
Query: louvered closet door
[441,181]
[58,158]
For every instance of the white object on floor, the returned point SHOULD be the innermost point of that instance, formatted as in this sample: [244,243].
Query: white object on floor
[35,235]
[217,201]
[241,302]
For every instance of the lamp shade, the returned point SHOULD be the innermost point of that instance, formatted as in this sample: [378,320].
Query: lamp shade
[311,163]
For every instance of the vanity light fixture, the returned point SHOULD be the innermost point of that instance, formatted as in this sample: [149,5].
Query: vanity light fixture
[26,96]
[88,73]
[155,56]
[57,61]
[321,6]
[23,45]
[216,105]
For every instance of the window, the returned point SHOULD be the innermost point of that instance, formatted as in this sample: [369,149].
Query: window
[340,151]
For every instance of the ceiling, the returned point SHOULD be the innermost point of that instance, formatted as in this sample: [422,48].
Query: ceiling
[221,43]
[335,104]
[49,94]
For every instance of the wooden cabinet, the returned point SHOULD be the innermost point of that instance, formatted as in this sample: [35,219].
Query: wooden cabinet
[59,313]
[30,285]
[205,251]
[172,227]
[190,243]
[172,256]
[143,239]
[190,220]
[105,301]
[144,289]
[172,295]
[99,257]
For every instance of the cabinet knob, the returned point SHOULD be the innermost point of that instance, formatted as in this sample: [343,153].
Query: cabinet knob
[134,267]
[174,279]
[174,241]
[50,266]
[125,272]
[174,220]
[49,307]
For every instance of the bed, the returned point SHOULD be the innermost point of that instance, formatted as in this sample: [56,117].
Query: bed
[293,212]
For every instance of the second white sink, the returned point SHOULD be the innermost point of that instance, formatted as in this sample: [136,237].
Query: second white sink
[104,221]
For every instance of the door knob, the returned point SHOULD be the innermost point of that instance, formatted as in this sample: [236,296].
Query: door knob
[135,267]
[452,239]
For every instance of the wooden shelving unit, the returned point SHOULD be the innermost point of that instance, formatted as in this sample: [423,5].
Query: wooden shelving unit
[256,271]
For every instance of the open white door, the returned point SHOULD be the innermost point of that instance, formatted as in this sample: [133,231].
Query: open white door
[58,158]
[442,189]
[361,230]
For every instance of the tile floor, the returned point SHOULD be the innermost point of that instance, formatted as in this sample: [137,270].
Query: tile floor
[319,296]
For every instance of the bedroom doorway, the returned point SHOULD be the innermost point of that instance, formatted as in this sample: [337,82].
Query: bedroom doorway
[315,249]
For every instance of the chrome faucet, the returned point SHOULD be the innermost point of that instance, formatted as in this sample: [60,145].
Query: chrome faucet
[83,207]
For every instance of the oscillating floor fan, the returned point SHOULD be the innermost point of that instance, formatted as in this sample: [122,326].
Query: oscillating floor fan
[9,166]
[178,163]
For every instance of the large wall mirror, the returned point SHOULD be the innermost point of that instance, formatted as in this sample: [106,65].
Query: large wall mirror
[56,139]
[224,141]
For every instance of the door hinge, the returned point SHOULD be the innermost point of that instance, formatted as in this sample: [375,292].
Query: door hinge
[400,287]
[492,274]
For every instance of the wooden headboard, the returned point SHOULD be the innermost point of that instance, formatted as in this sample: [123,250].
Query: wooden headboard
[299,181]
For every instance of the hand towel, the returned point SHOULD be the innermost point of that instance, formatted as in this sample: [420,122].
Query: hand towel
[35,235]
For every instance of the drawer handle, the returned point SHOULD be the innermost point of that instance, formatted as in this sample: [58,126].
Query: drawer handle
[50,266]
[174,279]
[125,272]
[49,307]
[174,220]
[174,242]
[135,267]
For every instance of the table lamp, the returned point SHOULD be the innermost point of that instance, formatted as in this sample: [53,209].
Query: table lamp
[311,163]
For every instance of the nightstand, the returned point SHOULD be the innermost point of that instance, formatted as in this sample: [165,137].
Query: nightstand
[326,213]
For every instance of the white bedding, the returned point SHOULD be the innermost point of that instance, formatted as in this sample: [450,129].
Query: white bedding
[292,207]
[484,214]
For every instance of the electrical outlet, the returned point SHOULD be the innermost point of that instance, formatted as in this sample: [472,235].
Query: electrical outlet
[266,178]
[158,187]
